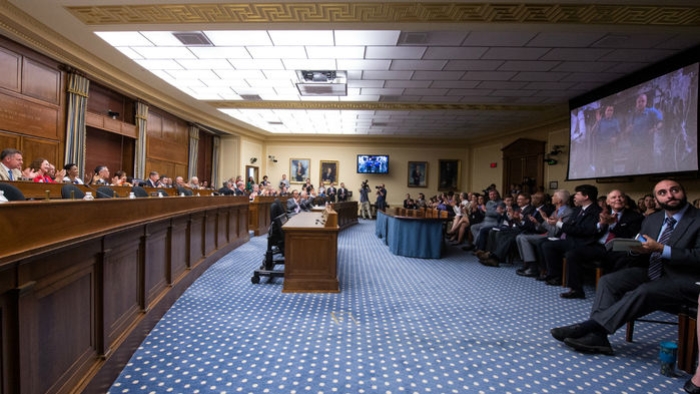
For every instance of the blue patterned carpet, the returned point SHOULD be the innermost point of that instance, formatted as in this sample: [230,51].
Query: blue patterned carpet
[399,325]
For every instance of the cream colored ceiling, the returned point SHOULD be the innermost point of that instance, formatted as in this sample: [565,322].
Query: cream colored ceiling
[450,70]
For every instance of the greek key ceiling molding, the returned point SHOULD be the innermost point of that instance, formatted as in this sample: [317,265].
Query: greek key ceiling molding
[371,12]
[371,106]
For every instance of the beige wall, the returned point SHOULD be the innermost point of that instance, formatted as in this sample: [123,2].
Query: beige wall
[476,172]
[346,154]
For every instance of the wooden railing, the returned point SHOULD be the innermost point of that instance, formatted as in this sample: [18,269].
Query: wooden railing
[83,282]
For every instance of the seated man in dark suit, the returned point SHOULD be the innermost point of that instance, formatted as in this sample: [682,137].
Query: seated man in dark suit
[294,203]
[618,222]
[579,230]
[663,275]
[227,189]
[502,239]
[153,180]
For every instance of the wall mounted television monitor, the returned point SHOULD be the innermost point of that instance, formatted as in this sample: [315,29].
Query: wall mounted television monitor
[372,164]
[648,128]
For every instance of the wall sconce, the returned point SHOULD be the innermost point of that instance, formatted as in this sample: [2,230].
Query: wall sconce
[272,158]
[253,160]
[112,114]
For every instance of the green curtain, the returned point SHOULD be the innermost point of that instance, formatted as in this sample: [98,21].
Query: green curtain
[78,87]
[194,151]
[214,182]
[140,154]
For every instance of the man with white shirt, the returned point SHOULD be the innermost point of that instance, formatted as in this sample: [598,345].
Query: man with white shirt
[10,165]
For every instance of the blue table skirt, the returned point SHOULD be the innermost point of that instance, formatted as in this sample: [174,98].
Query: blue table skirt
[420,238]
[381,227]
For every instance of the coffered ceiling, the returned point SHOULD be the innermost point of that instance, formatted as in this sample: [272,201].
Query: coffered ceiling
[446,70]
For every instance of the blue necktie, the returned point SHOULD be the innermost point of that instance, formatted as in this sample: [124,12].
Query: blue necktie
[10,173]
[655,263]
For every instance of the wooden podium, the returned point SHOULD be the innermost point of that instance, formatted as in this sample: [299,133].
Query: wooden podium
[311,253]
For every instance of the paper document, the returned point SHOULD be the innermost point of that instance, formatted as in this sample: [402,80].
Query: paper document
[622,244]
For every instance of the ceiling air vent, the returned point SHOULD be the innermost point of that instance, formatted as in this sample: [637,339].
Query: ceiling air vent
[413,38]
[322,83]
[193,39]
[251,97]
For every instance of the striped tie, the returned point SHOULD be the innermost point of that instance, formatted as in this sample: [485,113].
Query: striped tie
[655,263]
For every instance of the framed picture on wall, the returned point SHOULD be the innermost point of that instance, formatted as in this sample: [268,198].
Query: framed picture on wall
[417,174]
[299,170]
[329,172]
[449,175]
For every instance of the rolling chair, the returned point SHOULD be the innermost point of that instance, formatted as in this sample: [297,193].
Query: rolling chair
[275,244]
[105,192]
[12,193]
[139,191]
[69,190]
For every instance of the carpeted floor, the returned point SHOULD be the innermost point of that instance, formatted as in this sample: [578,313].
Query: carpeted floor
[399,325]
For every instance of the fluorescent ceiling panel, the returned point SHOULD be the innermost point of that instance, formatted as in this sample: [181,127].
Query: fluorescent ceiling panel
[238,37]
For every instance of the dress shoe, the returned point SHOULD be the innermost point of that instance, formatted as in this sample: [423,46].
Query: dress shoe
[490,262]
[573,331]
[528,273]
[573,294]
[483,255]
[541,278]
[691,388]
[554,281]
[592,342]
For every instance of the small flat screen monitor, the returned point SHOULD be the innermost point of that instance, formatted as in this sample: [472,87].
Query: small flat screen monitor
[649,128]
[372,164]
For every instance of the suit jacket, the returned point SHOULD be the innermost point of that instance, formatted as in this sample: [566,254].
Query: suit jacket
[628,226]
[342,194]
[582,227]
[292,206]
[4,176]
[684,263]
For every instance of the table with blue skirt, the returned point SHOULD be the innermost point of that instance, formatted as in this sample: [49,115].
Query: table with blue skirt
[411,236]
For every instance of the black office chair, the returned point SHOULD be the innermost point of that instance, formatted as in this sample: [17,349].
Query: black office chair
[139,191]
[105,192]
[182,190]
[11,192]
[275,244]
[71,191]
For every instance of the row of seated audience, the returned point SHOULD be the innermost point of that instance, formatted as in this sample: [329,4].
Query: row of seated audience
[660,273]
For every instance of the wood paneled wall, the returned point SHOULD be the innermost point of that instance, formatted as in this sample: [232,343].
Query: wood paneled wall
[32,103]
[167,144]
[204,157]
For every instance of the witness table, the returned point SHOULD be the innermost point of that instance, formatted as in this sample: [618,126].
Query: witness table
[311,253]
[411,236]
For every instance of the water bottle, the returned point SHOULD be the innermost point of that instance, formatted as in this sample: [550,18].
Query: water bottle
[132,195]
[3,199]
[88,196]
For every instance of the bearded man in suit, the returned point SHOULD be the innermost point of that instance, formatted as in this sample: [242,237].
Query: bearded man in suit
[662,276]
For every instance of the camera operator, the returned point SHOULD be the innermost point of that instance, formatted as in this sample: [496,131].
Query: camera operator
[364,201]
[381,198]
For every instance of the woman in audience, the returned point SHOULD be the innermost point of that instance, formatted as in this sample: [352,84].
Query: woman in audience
[72,174]
[420,201]
[119,179]
[41,168]
[649,205]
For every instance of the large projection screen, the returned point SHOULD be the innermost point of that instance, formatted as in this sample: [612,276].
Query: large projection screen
[650,128]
